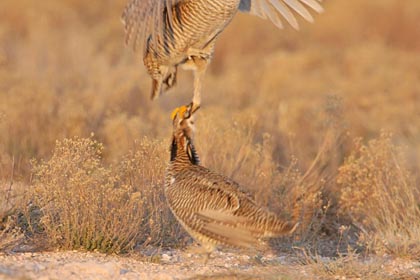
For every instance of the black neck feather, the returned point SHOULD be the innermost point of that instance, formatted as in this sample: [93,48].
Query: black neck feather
[174,149]
[191,152]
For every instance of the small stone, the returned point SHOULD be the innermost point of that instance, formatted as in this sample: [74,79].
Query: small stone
[166,257]
[245,257]
[124,271]
[41,267]
[281,259]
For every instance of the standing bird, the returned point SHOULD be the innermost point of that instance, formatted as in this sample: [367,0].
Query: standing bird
[184,32]
[212,208]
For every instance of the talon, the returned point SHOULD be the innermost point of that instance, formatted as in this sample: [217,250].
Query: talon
[194,107]
[170,79]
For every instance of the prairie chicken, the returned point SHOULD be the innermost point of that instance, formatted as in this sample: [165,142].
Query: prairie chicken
[183,32]
[212,208]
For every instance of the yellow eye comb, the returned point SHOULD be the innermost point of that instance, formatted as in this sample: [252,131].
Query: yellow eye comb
[180,110]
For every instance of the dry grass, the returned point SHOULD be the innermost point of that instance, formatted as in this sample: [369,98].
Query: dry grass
[379,195]
[278,116]
[85,204]
[346,267]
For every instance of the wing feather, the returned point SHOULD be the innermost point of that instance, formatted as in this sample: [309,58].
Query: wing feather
[145,18]
[281,8]
[215,206]
[212,200]
[236,236]
[300,9]
[215,216]
[272,9]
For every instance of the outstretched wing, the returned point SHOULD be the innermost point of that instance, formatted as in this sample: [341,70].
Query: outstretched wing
[142,18]
[276,9]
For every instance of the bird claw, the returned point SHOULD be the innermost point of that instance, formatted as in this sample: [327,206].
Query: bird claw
[194,107]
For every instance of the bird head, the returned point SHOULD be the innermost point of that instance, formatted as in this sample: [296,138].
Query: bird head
[183,132]
[183,121]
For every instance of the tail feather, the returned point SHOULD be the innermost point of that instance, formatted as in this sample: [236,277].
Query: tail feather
[234,236]
[281,228]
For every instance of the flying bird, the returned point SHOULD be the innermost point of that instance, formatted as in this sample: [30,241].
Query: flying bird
[212,208]
[172,33]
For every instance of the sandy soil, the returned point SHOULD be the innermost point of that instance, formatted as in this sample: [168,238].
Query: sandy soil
[172,265]
[164,265]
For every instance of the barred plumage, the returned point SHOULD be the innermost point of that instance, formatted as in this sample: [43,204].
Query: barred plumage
[211,207]
[183,32]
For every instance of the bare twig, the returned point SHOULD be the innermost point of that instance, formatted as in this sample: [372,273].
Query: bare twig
[9,191]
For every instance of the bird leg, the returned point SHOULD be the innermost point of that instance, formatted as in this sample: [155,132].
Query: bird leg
[200,70]
[203,251]
[156,88]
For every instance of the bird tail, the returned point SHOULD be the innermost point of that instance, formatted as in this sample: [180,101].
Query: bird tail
[278,227]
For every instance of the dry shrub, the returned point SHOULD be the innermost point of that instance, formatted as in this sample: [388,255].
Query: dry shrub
[10,199]
[10,233]
[379,195]
[79,200]
[144,168]
[86,205]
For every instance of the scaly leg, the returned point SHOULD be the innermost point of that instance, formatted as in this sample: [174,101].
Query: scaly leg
[156,88]
[201,66]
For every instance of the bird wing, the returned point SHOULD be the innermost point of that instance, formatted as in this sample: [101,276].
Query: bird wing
[276,9]
[142,18]
[216,201]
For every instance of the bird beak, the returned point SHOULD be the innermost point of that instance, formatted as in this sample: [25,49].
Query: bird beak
[184,111]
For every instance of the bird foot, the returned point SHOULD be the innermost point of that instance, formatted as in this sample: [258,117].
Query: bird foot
[170,79]
[194,107]
[202,252]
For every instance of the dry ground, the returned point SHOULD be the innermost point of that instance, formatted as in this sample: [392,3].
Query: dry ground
[180,265]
